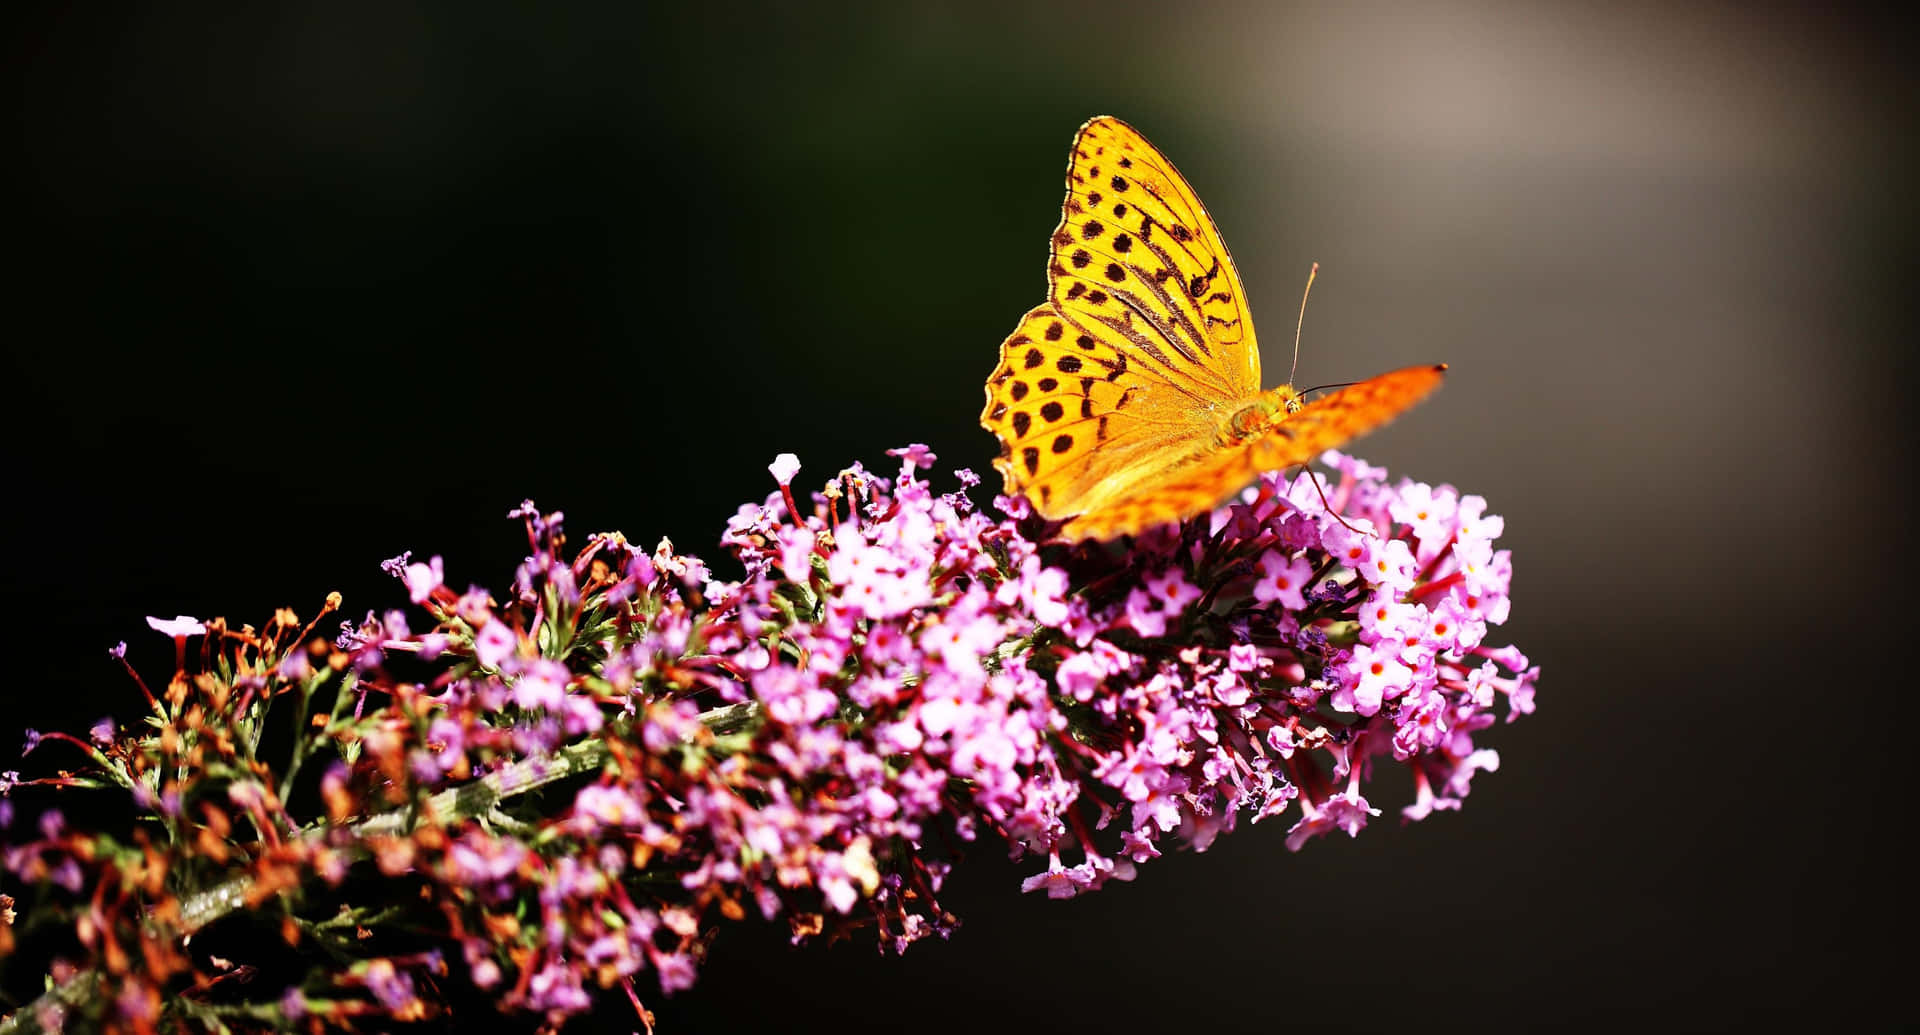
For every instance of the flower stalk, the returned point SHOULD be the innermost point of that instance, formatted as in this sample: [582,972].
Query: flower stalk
[562,791]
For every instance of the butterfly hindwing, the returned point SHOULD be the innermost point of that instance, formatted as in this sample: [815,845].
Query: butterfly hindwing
[1072,413]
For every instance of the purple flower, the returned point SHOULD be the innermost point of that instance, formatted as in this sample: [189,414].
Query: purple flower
[675,970]
[393,989]
[66,874]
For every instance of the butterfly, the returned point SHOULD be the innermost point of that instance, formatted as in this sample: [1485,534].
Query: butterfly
[1132,397]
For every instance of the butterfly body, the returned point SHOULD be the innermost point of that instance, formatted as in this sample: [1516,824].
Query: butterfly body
[1132,396]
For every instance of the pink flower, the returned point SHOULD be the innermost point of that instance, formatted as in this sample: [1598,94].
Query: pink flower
[1429,512]
[1145,614]
[599,805]
[177,626]
[1082,674]
[1281,579]
[1172,591]
[783,468]
[793,696]
[1377,675]
[542,685]
[1346,811]
[1391,565]
[422,580]
[1472,523]
[913,457]
[1352,547]
[495,643]
[1043,591]
[796,554]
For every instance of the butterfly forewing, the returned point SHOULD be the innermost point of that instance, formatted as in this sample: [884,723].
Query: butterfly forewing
[1137,256]
[1345,414]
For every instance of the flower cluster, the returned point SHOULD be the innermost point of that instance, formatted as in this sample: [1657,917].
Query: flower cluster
[569,785]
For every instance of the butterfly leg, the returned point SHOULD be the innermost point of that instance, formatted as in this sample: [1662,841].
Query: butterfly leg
[1323,499]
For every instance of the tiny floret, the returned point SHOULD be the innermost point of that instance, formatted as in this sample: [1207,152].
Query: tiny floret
[178,626]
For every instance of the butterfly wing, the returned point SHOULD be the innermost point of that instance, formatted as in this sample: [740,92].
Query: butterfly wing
[1113,400]
[1187,483]
[1137,255]
[1145,337]
[1342,415]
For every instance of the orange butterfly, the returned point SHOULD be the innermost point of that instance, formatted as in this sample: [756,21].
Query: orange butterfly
[1132,397]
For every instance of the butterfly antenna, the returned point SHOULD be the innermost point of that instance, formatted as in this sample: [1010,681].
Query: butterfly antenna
[1301,322]
[1322,388]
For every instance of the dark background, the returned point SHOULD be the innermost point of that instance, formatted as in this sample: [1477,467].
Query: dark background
[303,289]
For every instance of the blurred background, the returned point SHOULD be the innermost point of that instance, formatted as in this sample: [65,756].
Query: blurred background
[300,289]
